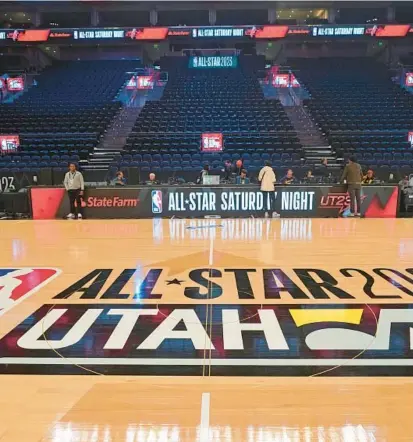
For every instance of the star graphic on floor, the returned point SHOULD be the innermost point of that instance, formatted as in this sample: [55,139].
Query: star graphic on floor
[174,281]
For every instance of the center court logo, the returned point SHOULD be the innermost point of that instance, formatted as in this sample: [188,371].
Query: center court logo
[370,337]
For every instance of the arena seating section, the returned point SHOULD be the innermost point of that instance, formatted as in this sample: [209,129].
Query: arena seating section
[167,133]
[354,101]
[361,110]
[63,117]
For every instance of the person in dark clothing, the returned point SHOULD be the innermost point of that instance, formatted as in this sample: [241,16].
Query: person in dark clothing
[353,176]
[119,180]
[309,177]
[288,178]
[204,172]
[369,177]
[227,169]
[242,179]
[238,167]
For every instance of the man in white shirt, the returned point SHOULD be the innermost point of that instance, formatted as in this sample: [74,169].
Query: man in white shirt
[75,186]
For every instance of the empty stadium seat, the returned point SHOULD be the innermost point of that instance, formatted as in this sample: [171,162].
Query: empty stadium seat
[66,114]
[359,107]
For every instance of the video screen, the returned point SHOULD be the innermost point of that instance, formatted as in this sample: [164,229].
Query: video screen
[285,80]
[212,142]
[409,79]
[410,138]
[145,82]
[131,84]
[15,84]
[141,82]
[9,143]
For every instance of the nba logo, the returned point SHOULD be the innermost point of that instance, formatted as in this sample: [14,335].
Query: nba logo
[156,201]
[17,284]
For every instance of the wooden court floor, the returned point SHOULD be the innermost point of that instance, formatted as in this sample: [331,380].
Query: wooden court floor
[206,330]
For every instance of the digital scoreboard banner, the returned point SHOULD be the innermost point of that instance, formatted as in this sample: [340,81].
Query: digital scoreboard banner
[337,31]
[212,61]
[223,201]
[251,32]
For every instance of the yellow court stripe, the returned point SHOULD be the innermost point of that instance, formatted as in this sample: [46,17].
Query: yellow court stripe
[311,316]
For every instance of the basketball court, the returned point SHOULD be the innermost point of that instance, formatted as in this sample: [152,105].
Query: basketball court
[206,330]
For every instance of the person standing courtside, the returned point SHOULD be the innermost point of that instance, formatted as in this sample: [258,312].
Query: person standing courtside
[267,180]
[353,175]
[75,186]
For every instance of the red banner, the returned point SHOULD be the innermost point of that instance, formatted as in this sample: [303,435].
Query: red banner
[15,84]
[145,82]
[9,143]
[148,34]
[271,32]
[285,80]
[212,142]
[31,35]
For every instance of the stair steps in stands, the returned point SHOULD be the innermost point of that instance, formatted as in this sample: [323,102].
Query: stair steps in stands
[315,144]
[114,140]
[308,132]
